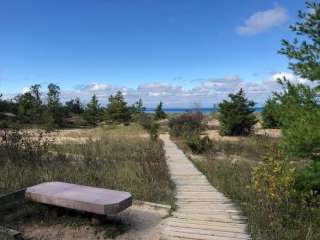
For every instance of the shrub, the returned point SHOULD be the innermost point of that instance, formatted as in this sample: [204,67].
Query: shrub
[199,145]
[236,116]
[149,125]
[273,180]
[271,114]
[21,147]
[186,125]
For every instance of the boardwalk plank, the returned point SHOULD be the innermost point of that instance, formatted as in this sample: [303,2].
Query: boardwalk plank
[202,212]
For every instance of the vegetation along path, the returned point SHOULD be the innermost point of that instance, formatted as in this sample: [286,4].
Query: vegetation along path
[202,212]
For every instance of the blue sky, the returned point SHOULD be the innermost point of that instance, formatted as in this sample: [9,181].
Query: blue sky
[177,51]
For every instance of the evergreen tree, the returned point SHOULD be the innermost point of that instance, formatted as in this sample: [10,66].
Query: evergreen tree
[304,54]
[117,110]
[236,116]
[92,112]
[74,106]
[159,113]
[271,114]
[138,107]
[54,106]
[137,110]
[299,113]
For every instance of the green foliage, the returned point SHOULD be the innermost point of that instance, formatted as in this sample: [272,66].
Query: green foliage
[308,179]
[186,125]
[74,106]
[148,123]
[159,113]
[299,116]
[236,116]
[8,106]
[137,109]
[54,106]
[199,144]
[271,114]
[30,108]
[117,110]
[92,112]
[304,54]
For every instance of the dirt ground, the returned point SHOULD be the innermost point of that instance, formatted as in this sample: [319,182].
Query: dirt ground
[142,221]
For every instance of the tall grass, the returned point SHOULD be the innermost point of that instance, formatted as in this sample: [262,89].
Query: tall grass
[279,219]
[121,162]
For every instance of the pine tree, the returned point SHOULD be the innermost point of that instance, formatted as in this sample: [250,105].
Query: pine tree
[117,110]
[74,106]
[159,113]
[54,106]
[304,54]
[92,112]
[236,116]
[271,114]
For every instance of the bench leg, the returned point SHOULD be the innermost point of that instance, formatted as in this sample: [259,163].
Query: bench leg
[55,211]
[97,219]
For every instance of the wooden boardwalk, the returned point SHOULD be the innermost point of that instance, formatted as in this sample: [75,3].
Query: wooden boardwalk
[202,212]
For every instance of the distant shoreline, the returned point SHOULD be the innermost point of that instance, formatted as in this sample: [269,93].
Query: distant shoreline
[183,110]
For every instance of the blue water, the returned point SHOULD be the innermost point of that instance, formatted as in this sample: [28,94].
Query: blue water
[183,110]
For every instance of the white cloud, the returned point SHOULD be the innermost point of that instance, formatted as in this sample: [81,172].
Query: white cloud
[25,90]
[263,20]
[96,87]
[204,92]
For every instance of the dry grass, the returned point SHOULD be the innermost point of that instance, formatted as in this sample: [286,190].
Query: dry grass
[114,157]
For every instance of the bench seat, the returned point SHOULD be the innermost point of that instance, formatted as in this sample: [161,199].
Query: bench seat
[83,198]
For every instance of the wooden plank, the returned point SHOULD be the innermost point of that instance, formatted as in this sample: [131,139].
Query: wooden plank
[83,198]
[202,213]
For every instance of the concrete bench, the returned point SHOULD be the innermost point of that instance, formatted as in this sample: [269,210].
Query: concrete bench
[83,198]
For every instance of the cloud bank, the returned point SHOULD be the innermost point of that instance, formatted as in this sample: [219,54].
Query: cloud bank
[263,21]
[205,92]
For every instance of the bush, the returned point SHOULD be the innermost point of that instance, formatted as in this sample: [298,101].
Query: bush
[186,125]
[149,125]
[273,180]
[199,145]
[271,114]
[236,116]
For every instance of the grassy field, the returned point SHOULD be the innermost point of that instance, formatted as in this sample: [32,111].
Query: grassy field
[114,157]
